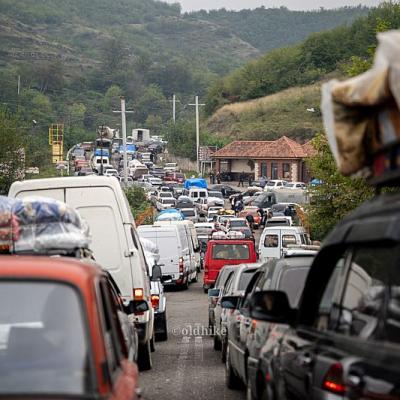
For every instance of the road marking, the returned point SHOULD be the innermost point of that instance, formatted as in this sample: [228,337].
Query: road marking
[198,349]
[184,347]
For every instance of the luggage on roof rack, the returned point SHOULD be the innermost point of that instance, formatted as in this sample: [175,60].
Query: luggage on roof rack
[36,225]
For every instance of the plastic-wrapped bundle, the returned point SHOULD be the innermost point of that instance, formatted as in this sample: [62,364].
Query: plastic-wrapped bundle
[42,225]
[170,215]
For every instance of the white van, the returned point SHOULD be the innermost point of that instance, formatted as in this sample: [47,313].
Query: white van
[194,245]
[97,161]
[115,243]
[196,193]
[173,247]
[274,240]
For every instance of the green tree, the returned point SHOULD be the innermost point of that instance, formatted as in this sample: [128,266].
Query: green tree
[12,151]
[336,196]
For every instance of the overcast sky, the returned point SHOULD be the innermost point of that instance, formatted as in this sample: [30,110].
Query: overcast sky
[190,5]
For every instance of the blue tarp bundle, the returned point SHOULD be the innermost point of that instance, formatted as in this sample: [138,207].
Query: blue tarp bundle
[171,214]
[130,148]
[102,152]
[196,182]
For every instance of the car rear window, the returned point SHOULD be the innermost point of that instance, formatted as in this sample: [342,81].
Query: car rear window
[237,224]
[231,252]
[188,213]
[36,339]
[168,201]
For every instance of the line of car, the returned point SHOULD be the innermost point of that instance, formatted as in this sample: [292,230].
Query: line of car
[311,324]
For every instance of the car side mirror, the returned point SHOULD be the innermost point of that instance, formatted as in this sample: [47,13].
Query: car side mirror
[271,306]
[213,292]
[136,307]
[230,302]
[156,272]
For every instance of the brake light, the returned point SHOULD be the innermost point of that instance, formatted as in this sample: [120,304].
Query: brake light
[155,300]
[138,294]
[333,381]
[181,265]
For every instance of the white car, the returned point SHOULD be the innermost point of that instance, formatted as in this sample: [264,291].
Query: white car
[155,181]
[165,195]
[111,172]
[145,178]
[190,214]
[296,185]
[275,184]
[165,203]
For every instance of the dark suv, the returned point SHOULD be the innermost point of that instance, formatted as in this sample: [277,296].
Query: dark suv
[344,340]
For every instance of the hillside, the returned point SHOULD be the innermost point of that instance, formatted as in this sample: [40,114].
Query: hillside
[342,50]
[270,28]
[270,117]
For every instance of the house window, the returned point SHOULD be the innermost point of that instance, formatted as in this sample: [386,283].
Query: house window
[274,171]
[286,171]
[264,169]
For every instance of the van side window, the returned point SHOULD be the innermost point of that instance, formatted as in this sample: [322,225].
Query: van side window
[288,239]
[328,306]
[366,292]
[271,241]
[111,338]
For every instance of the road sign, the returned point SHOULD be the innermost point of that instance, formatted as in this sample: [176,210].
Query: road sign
[206,152]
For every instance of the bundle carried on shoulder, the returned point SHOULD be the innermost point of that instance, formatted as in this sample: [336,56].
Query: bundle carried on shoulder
[37,225]
[362,114]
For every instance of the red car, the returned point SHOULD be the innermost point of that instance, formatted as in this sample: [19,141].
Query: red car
[174,177]
[60,335]
[221,252]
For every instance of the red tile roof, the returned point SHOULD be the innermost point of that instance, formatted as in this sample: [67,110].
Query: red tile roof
[280,148]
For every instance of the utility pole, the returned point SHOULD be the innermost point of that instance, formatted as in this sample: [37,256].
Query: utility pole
[19,84]
[197,105]
[174,101]
[123,116]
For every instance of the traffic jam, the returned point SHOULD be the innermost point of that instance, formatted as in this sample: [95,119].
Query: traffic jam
[90,298]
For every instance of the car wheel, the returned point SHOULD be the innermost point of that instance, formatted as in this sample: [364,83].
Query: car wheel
[217,343]
[223,350]
[231,379]
[185,286]
[163,336]
[152,343]
[195,279]
[144,360]
[205,290]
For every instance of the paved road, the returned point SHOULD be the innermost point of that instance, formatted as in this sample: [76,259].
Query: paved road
[186,366]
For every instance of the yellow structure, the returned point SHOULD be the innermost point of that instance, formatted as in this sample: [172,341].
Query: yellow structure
[56,141]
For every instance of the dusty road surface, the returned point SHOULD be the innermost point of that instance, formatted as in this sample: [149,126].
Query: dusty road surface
[186,366]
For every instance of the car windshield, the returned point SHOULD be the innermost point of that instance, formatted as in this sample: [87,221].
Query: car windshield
[36,339]
[231,252]
[278,222]
[165,194]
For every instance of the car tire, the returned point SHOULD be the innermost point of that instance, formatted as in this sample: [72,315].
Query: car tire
[217,343]
[163,336]
[231,379]
[195,279]
[145,362]
[223,351]
[185,286]
[152,344]
[205,290]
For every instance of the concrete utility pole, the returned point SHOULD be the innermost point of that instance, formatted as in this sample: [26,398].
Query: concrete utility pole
[123,116]
[174,101]
[197,105]
[19,84]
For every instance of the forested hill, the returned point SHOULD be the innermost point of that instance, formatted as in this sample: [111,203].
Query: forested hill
[270,28]
[75,58]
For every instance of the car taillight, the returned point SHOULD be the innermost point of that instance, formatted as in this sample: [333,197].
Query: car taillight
[181,265]
[138,294]
[155,300]
[333,381]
